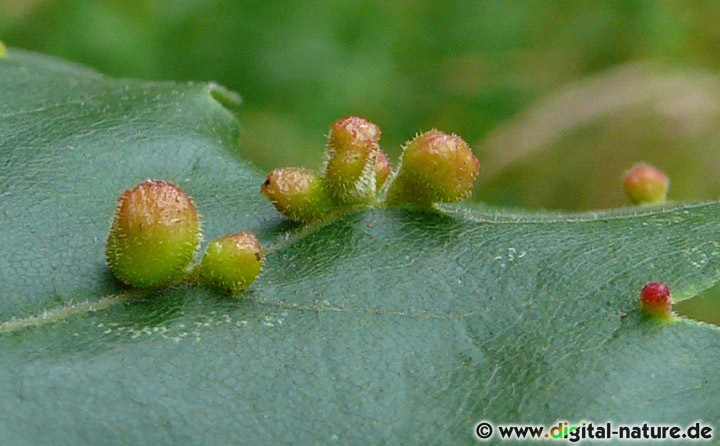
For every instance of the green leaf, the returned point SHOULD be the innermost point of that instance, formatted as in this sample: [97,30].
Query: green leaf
[387,326]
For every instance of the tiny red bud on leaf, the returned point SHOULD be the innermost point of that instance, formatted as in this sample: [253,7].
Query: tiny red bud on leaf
[299,194]
[435,167]
[154,236]
[656,302]
[645,184]
[232,262]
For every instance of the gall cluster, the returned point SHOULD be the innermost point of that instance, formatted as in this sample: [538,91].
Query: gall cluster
[156,230]
[435,167]
[156,234]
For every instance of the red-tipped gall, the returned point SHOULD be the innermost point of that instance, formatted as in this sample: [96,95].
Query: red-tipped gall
[354,134]
[299,194]
[350,161]
[646,184]
[656,301]
[435,167]
[154,236]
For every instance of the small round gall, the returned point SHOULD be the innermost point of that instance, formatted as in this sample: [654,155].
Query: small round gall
[656,302]
[646,184]
[154,236]
[435,168]
[232,262]
[299,194]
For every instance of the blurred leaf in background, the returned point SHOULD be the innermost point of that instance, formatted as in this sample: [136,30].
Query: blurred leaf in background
[559,97]
[462,66]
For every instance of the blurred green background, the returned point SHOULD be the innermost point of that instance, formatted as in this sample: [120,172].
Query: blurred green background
[557,98]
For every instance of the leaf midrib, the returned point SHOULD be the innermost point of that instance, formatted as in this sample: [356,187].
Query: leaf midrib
[537,216]
[89,306]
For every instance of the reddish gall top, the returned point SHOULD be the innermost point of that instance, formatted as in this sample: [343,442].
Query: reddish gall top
[656,301]
[353,133]
[155,202]
[646,184]
[655,293]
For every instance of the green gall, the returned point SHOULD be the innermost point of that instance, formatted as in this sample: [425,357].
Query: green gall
[299,194]
[646,184]
[656,302]
[435,167]
[350,178]
[3,50]
[154,236]
[350,161]
[232,262]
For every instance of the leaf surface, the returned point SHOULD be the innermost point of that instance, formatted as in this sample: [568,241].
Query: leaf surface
[386,326]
